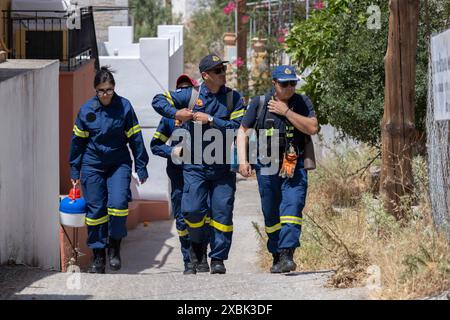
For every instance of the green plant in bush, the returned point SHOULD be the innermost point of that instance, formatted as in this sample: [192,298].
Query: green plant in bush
[347,82]
[147,15]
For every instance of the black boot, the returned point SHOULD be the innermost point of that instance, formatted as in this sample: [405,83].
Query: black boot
[287,260]
[276,266]
[203,265]
[114,254]
[189,268]
[98,264]
[217,266]
[284,261]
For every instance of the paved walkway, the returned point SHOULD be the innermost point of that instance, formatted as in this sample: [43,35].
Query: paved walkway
[153,270]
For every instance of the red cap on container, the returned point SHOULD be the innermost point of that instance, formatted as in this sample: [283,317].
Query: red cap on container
[74,193]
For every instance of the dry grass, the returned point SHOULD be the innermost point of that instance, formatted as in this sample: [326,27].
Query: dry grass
[347,229]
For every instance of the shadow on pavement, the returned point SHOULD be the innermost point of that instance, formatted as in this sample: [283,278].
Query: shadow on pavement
[15,278]
[147,250]
[295,274]
[50,297]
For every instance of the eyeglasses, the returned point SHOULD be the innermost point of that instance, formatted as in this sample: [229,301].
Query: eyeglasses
[285,84]
[102,92]
[219,70]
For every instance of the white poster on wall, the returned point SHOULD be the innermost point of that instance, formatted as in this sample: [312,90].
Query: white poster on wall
[440,58]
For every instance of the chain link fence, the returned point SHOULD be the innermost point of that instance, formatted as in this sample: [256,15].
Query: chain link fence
[438,162]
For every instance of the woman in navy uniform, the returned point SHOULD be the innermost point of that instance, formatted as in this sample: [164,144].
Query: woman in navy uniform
[105,126]
[282,197]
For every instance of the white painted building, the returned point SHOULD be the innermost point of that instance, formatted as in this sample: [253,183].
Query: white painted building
[184,8]
[29,163]
[143,70]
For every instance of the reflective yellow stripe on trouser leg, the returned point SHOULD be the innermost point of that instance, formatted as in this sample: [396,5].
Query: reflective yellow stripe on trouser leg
[95,222]
[221,227]
[273,228]
[118,212]
[196,229]
[291,220]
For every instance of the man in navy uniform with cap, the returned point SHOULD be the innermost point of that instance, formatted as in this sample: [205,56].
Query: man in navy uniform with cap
[283,193]
[221,108]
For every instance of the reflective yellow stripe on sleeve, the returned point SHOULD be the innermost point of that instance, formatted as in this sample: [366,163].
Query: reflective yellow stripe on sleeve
[134,130]
[118,212]
[160,136]
[221,227]
[169,97]
[237,114]
[80,133]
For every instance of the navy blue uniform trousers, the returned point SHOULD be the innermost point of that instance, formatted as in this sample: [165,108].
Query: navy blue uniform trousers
[282,203]
[203,183]
[107,193]
[176,195]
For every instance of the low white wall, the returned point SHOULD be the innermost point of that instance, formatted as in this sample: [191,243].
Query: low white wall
[29,164]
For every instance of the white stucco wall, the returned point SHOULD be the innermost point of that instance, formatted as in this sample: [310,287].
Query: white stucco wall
[29,164]
[143,70]
[184,8]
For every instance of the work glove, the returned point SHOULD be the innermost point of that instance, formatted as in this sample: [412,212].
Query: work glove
[289,163]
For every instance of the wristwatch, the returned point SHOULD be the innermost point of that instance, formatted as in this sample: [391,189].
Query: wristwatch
[210,120]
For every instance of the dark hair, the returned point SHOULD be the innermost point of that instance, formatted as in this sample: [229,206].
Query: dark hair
[105,74]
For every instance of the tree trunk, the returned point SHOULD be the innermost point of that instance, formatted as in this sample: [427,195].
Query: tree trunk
[397,126]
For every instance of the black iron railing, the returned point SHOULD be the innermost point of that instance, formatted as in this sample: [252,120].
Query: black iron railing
[58,35]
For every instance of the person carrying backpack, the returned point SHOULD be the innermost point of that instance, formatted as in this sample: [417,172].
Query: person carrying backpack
[160,147]
[216,107]
[283,193]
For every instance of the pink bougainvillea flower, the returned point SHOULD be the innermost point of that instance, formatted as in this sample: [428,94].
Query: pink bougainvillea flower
[245,18]
[283,31]
[281,39]
[239,62]
[229,8]
[319,5]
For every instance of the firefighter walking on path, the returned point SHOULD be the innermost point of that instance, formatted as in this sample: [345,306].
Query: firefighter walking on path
[104,128]
[282,193]
[221,108]
[174,171]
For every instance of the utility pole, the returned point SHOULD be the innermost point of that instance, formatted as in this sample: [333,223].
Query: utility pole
[397,126]
[242,45]
[307,8]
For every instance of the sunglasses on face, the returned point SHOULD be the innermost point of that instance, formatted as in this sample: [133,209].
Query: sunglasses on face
[285,84]
[219,70]
[102,92]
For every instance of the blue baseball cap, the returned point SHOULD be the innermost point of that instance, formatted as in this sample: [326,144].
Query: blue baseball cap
[210,62]
[284,73]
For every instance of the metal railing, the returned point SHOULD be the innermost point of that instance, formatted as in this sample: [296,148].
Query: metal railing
[58,35]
